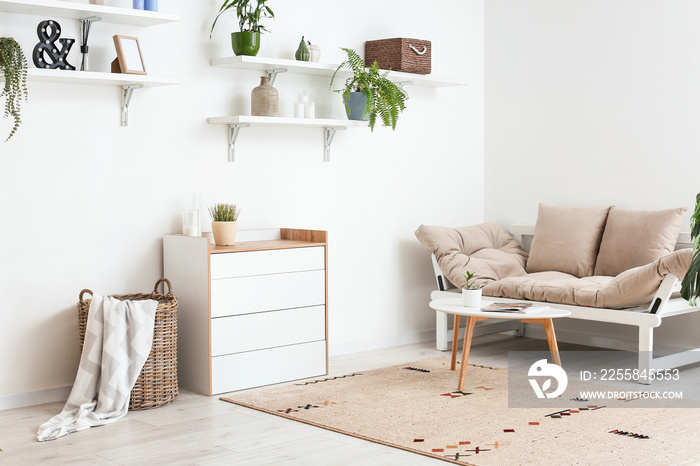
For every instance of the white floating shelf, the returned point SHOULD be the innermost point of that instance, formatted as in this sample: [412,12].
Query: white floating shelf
[71,10]
[98,78]
[236,122]
[278,65]
[284,121]
[128,82]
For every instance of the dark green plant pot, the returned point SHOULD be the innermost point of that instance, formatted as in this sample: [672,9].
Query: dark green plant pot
[245,43]
[355,106]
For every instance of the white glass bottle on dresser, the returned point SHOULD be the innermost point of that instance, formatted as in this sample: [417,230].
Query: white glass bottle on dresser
[251,314]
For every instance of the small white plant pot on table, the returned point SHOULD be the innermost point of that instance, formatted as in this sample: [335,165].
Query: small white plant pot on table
[471,298]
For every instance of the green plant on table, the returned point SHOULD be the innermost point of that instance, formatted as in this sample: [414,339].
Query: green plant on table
[470,285]
[690,286]
[224,212]
[384,98]
[249,12]
[13,65]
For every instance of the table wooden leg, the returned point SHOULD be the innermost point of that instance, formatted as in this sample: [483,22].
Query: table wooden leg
[455,340]
[468,333]
[552,340]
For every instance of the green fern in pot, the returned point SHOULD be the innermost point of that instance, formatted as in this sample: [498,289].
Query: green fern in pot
[13,66]
[384,99]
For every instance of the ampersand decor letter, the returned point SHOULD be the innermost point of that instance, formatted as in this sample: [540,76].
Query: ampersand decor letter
[46,54]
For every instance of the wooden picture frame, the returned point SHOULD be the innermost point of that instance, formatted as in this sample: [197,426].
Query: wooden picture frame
[129,58]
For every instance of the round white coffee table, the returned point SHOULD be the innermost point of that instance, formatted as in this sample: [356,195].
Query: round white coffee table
[473,314]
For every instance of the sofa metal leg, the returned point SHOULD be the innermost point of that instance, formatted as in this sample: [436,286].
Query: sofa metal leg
[441,331]
[645,355]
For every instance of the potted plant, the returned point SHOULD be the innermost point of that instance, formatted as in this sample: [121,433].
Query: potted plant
[471,294]
[224,225]
[369,93]
[690,286]
[249,13]
[13,65]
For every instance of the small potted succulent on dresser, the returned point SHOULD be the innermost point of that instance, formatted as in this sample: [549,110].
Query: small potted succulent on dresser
[13,65]
[471,294]
[249,13]
[369,94]
[224,225]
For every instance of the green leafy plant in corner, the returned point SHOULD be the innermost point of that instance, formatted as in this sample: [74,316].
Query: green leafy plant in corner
[384,98]
[13,65]
[224,212]
[249,13]
[690,286]
[470,281]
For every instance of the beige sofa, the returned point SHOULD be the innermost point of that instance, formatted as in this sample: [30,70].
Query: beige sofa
[602,264]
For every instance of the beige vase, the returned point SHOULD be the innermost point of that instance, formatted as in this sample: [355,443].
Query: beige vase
[264,99]
[99,2]
[224,232]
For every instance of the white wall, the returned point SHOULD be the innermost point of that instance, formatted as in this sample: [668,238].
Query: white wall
[592,102]
[85,202]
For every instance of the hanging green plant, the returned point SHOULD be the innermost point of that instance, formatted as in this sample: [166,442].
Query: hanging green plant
[690,286]
[13,65]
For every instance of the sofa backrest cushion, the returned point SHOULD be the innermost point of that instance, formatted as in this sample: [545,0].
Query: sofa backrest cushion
[485,250]
[633,238]
[567,239]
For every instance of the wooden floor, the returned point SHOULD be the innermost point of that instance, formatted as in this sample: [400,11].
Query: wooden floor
[206,431]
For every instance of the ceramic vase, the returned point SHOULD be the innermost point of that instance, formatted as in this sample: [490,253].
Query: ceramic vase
[471,298]
[245,43]
[264,99]
[224,233]
[314,53]
[99,2]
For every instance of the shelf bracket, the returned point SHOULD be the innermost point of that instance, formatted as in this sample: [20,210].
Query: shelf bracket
[328,135]
[127,91]
[272,74]
[404,83]
[232,137]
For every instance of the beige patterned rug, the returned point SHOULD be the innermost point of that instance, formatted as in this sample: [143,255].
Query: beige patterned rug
[416,407]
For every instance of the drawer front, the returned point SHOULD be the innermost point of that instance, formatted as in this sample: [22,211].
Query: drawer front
[264,367]
[245,295]
[267,329]
[245,264]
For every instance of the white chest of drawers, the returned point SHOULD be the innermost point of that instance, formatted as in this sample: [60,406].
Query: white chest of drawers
[252,314]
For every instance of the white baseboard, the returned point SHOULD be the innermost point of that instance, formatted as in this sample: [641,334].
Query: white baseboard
[19,400]
[339,349]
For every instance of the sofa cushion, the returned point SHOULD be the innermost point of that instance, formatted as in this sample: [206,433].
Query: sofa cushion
[485,250]
[632,288]
[567,239]
[633,238]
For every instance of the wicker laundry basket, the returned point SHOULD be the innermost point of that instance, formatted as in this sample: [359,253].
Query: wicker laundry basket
[157,383]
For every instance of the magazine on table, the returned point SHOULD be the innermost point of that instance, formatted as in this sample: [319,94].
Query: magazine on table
[522,308]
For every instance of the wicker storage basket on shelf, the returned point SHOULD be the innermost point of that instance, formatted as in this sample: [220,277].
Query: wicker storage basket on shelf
[400,54]
[157,383]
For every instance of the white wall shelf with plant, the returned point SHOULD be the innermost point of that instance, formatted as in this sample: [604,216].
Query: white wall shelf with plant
[87,13]
[236,122]
[274,66]
[71,10]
